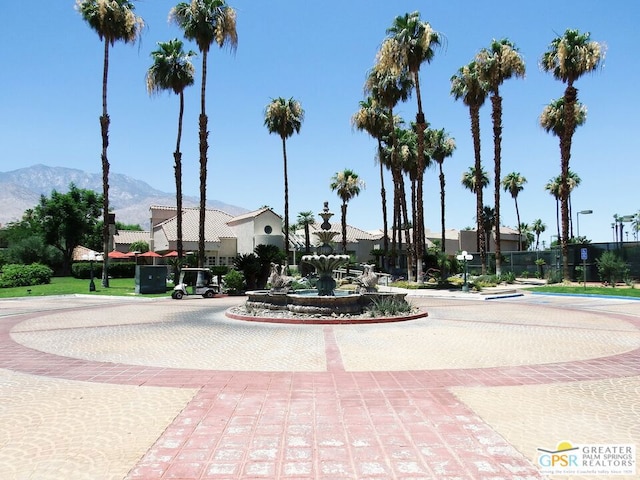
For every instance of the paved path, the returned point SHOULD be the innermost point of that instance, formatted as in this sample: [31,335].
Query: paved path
[112,388]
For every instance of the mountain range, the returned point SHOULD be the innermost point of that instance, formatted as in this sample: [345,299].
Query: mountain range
[129,198]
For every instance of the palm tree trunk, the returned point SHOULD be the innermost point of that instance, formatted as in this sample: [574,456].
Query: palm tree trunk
[418,227]
[570,98]
[407,235]
[442,220]
[204,146]
[178,174]
[515,199]
[286,204]
[104,130]
[383,195]
[496,101]
[474,113]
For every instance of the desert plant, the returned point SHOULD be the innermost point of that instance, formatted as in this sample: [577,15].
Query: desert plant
[611,268]
[388,306]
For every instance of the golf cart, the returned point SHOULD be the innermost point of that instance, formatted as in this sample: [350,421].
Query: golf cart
[195,281]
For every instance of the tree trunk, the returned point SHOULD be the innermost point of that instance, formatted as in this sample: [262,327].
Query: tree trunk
[570,98]
[204,146]
[418,224]
[442,220]
[383,195]
[474,112]
[178,174]
[104,130]
[496,102]
[286,204]
[515,199]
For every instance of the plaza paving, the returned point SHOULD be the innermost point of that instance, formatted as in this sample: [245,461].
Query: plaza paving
[119,388]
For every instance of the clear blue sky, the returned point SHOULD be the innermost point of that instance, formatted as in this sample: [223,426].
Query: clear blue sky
[320,53]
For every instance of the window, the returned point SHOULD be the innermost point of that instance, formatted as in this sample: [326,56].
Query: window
[268,229]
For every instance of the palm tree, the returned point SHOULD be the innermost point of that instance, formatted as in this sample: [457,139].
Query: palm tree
[496,64]
[527,236]
[172,70]
[284,118]
[441,146]
[488,222]
[466,85]
[205,22]
[573,181]
[372,118]
[347,185]
[411,43]
[538,227]
[553,187]
[304,220]
[514,184]
[568,58]
[113,21]
[388,89]
[469,181]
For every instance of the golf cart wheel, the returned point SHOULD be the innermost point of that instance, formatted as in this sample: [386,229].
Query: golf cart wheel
[208,294]
[177,294]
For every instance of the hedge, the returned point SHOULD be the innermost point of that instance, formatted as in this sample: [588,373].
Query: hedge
[116,270]
[18,275]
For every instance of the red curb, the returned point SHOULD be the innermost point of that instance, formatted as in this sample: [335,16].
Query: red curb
[325,320]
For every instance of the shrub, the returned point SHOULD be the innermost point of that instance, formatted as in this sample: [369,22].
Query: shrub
[116,270]
[16,275]
[611,268]
[234,282]
[388,306]
[508,277]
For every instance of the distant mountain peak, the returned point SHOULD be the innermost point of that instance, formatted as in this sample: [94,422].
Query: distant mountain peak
[129,198]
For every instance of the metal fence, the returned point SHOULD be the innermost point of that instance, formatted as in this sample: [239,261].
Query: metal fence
[542,263]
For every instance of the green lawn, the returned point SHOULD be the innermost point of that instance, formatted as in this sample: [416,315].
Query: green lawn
[70,285]
[608,291]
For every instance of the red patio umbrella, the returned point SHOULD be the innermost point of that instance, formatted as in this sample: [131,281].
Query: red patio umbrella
[173,253]
[117,255]
[150,254]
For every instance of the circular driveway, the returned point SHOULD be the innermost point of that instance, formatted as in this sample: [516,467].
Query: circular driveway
[154,389]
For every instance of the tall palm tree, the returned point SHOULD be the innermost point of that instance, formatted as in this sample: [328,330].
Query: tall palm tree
[412,43]
[553,187]
[538,228]
[441,146]
[388,89]
[514,184]
[372,118]
[470,179]
[347,185]
[500,62]
[172,70]
[284,118]
[468,86]
[305,219]
[568,58]
[205,22]
[113,21]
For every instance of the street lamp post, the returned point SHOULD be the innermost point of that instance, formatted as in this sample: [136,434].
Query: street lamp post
[465,257]
[582,212]
[92,257]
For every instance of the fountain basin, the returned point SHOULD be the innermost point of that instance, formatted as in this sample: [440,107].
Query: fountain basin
[310,303]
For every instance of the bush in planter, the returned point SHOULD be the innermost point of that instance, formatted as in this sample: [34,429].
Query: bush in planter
[234,282]
[15,275]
